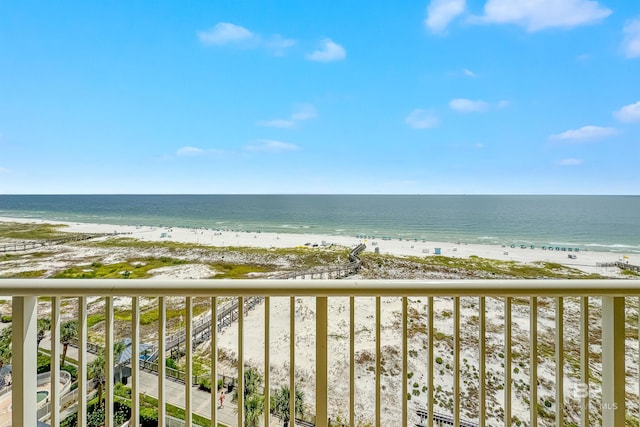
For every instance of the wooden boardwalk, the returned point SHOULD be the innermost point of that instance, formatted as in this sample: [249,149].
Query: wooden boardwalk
[330,271]
[441,420]
[621,265]
[29,245]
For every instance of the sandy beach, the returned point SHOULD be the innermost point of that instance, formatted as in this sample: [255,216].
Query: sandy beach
[584,260]
[365,331]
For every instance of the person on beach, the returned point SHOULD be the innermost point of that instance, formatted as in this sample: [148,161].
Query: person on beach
[221,398]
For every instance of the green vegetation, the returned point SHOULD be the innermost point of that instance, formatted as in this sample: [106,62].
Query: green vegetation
[236,271]
[94,319]
[488,267]
[150,315]
[630,273]
[280,403]
[68,331]
[302,257]
[28,231]
[151,404]
[137,268]
[32,274]
[253,402]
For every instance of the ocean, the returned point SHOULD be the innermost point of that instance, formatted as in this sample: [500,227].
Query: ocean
[597,223]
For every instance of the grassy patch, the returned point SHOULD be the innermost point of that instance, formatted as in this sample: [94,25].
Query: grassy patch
[303,257]
[28,231]
[94,319]
[127,242]
[630,273]
[134,269]
[24,274]
[236,271]
[174,411]
[490,267]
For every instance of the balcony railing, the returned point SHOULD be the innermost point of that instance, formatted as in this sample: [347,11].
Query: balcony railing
[602,314]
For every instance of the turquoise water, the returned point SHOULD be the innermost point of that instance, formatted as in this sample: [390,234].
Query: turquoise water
[42,394]
[600,223]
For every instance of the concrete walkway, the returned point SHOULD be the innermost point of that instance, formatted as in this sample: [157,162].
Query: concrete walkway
[175,392]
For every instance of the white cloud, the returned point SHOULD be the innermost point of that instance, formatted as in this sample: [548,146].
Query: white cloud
[629,113]
[469,73]
[468,106]
[422,119]
[536,15]
[300,113]
[190,151]
[271,146]
[585,133]
[277,123]
[631,43]
[225,33]
[441,12]
[4,170]
[278,44]
[330,51]
[304,112]
[570,162]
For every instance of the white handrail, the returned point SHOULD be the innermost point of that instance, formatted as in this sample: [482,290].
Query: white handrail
[267,287]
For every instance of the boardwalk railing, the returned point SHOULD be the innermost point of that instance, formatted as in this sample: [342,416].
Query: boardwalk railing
[578,362]
[330,271]
[34,244]
[621,265]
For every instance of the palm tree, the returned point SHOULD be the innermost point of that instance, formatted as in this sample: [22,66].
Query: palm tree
[253,401]
[253,410]
[68,331]
[280,404]
[96,371]
[44,325]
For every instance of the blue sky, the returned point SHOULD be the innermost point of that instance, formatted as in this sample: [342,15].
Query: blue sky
[412,97]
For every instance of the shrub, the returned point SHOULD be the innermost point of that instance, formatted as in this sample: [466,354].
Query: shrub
[72,370]
[170,363]
[439,360]
[205,384]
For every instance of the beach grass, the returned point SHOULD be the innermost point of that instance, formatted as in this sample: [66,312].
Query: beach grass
[31,274]
[150,315]
[30,231]
[488,267]
[134,269]
[301,257]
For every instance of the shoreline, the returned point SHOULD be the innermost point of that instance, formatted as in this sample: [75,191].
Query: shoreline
[584,260]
